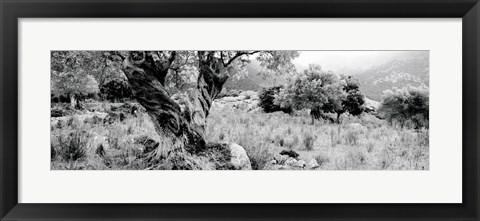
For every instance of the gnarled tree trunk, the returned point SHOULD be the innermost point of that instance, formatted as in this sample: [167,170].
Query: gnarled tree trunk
[182,116]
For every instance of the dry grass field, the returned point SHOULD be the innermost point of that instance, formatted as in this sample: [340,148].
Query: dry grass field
[346,146]
[110,136]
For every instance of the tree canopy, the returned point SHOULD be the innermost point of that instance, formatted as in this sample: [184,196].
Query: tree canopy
[322,92]
[406,105]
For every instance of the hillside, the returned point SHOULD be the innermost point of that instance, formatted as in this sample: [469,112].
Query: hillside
[413,70]
[407,68]
[255,80]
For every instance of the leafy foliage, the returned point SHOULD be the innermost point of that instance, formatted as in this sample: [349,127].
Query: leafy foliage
[116,90]
[406,105]
[322,92]
[73,83]
[266,100]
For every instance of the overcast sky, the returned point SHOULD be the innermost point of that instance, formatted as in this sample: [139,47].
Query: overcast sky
[350,60]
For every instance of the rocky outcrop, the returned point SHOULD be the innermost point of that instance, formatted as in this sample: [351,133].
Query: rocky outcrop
[246,100]
[285,162]
[371,105]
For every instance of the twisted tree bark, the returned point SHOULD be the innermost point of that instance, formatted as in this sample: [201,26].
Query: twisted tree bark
[182,116]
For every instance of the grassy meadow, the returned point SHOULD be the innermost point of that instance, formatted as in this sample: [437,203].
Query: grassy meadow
[345,146]
[111,136]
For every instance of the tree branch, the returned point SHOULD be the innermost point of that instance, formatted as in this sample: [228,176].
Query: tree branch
[238,54]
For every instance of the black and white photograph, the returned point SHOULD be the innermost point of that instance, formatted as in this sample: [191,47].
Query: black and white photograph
[239,110]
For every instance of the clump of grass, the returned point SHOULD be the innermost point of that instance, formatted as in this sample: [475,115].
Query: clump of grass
[221,136]
[53,152]
[259,156]
[332,138]
[308,140]
[356,157]
[322,159]
[386,159]
[423,138]
[130,130]
[352,137]
[114,143]
[69,121]
[290,142]
[279,140]
[73,146]
[370,146]
[100,151]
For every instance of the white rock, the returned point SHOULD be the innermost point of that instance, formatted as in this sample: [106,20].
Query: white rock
[249,94]
[239,158]
[291,161]
[312,164]
[300,163]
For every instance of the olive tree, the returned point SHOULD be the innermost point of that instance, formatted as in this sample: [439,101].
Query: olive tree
[322,92]
[406,104]
[350,100]
[183,115]
[70,75]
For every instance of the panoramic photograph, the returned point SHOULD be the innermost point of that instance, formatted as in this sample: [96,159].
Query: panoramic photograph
[239,110]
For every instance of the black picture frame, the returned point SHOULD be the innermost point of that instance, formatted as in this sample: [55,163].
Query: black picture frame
[11,11]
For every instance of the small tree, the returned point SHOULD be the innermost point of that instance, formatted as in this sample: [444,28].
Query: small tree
[315,90]
[323,92]
[267,100]
[74,85]
[70,75]
[352,101]
[406,104]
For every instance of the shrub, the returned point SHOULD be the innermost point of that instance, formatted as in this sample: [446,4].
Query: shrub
[406,105]
[356,157]
[100,151]
[333,140]
[386,159]
[115,90]
[53,152]
[267,98]
[370,146]
[289,153]
[73,146]
[352,137]
[423,138]
[57,112]
[321,159]
[259,156]
[290,142]
[221,136]
[308,140]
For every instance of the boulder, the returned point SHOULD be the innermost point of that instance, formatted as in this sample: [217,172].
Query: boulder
[371,105]
[276,167]
[300,163]
[291,162]
[233,99]
[249,94]
[278,158]
[239,158]
[312,164]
